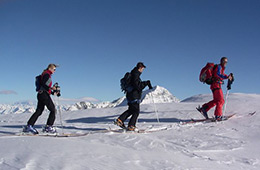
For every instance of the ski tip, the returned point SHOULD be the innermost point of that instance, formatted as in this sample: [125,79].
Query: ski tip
[198,108]
[251,114]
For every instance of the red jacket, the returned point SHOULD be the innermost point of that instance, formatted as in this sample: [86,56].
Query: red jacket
[218,77]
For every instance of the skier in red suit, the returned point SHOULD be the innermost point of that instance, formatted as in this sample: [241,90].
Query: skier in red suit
[218,97]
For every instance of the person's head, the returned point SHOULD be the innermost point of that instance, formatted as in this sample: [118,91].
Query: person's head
[140,66]
[224,61]
[52,68]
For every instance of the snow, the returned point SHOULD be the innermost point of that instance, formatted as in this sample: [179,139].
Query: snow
[231,145]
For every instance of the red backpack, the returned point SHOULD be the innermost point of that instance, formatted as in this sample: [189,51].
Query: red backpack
[206,73]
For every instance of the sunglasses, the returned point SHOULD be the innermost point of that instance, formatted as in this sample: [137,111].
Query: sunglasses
[225,61]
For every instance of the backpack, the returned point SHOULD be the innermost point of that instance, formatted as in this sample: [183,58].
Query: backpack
[38,80]
[206,73]
[125,83]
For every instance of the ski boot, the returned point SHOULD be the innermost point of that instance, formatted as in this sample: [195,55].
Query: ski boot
[119,123]
[30,129]
[49,129]
[132,128]
[218,118]
[203,112]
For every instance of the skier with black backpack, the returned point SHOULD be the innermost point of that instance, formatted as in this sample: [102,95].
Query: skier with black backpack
[214,76]
[45,89]
[132,85]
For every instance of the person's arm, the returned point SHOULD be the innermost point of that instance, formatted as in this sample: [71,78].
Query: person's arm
[223,76]
[46,82]
[137,84]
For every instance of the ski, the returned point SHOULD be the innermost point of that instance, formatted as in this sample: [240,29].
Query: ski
[208,120]
[124,129]
[58,135]
[149,130]
[251,114]
[214,120]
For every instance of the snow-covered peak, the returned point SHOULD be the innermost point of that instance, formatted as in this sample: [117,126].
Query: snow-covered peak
[16,109]
[158,95]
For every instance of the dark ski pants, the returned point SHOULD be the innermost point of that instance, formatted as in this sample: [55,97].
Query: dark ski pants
[44,99]
[133,109]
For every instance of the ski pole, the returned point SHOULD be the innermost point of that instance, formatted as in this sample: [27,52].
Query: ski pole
[59,111]
[155,108]
[225,106]
[228,88]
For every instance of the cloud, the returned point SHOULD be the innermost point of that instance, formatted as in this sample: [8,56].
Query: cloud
[7,92]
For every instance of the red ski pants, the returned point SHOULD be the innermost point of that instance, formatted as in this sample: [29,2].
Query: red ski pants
[218,101]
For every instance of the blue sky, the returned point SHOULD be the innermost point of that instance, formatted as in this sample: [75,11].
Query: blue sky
[96,41]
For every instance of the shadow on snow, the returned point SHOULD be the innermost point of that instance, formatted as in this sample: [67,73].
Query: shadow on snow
[95,120]
[110,119]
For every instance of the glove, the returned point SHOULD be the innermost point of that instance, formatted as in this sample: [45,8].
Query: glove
[230,81]
[231,77]
[149,84]
[56,89]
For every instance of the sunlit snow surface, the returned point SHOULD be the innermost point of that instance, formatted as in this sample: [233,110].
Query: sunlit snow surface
[231,145]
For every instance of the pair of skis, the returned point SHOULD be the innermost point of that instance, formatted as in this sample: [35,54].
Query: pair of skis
[224,118]
[124,129]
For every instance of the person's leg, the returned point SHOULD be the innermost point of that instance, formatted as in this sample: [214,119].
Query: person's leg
[212,103]
[125,115]
[209,105]
[51,107]
[134,108]
[219,98]
[39,110]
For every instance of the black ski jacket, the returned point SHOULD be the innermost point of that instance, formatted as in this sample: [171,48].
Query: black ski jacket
[137,85]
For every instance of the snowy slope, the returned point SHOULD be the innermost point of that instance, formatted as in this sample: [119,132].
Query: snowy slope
[229,145]
[231,96]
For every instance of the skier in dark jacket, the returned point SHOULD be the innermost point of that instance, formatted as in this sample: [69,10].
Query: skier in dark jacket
[44,99]
[134,98]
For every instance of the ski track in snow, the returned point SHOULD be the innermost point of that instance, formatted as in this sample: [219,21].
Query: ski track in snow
[231,145]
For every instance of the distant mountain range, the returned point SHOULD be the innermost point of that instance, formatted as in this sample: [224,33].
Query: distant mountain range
[156,95]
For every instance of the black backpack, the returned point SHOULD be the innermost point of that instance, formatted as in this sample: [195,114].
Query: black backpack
[38,80]
[125,83]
